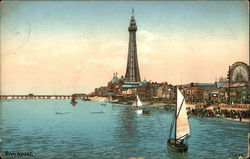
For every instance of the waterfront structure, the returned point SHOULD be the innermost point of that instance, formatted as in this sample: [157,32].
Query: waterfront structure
[162,90]
[144,90]
[114,86]
[154,90]
[102,91]
[132,71]
[237,94]
[79,96]
[214,97]
[201,92]
[193,94]
[32,96]
[239,72]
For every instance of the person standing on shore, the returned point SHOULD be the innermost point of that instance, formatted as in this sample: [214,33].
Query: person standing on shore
[240,116]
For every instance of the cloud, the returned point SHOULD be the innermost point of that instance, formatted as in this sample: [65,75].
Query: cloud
[113,47]
[145,41]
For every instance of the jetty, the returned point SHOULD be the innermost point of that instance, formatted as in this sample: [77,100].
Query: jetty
[32,96]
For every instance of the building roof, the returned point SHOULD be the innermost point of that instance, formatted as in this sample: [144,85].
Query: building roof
[194,88]
[198,84]
[238,84]
[144,81]
[219,84]
[114,79]
[128,86]
[131,82]
[214,92]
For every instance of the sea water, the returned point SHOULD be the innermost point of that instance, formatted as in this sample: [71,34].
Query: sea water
[51,128]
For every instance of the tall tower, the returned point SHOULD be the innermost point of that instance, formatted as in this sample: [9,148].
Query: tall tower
[132,71]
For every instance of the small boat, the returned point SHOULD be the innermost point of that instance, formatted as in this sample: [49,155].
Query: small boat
[182,126]
[97,112]
[62,113]
[137,105]
[73,101]
[110,98]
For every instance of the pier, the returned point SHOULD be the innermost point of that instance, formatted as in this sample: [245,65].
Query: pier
[31,96]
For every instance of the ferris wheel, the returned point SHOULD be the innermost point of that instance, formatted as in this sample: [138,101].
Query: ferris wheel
[239,72]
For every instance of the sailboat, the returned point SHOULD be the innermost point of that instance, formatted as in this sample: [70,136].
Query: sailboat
[182,126]
[137,105]
[110,98]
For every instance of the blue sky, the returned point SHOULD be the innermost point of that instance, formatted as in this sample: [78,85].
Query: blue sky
[213,17]
[74,43]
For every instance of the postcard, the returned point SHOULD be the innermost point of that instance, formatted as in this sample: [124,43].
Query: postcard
[124,79]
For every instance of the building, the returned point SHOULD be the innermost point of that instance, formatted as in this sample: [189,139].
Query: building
[193,94]
[144,90]
[238,92]
[132,71]
[201,92]
[78,96]
[102,91]
[114,87]
[214,97]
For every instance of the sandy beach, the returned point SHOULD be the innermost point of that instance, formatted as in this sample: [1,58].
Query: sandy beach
[96,98]
[243,120]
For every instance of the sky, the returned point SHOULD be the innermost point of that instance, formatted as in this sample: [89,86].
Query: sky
[65,47]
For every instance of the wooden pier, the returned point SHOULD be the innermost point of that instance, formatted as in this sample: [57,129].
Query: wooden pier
[75,96]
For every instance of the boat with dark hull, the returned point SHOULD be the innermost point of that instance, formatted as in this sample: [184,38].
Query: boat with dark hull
[177,146]
[73,101]
[181,126]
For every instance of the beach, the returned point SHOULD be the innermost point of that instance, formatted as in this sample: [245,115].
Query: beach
[222,111]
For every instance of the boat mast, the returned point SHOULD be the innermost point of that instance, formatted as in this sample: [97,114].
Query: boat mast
[136,98]
[175,114]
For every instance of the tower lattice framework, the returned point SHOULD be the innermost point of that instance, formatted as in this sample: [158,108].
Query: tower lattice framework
[132,71]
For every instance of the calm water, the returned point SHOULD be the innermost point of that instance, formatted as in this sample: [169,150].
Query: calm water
[84,132]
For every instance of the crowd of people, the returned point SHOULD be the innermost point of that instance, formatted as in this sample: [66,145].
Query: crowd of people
[218,112]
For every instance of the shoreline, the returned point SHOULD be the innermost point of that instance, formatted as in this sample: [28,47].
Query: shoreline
[244,120]
[162,105]
[96,98]
[194,110]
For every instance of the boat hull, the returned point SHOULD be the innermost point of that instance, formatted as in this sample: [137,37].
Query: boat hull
[177,146]
[73,103]
[135,108]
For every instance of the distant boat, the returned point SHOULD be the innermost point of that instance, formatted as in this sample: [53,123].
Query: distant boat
[137,105]
[98,112]
[110,98]
[73,101]
[182,127]
[62,113]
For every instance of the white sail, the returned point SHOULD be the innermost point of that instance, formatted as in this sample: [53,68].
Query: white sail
[182,123]
[139,103]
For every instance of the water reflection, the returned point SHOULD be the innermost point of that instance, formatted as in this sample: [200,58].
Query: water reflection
[126,132]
